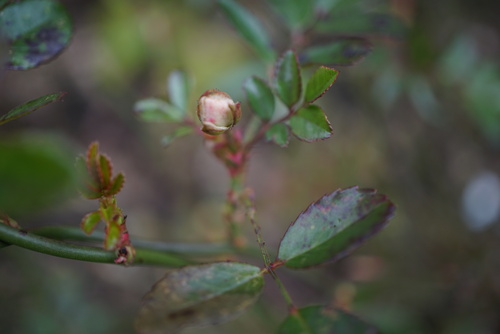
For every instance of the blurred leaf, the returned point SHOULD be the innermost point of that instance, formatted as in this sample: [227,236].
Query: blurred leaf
[116,185]
[334,226]
[320,82]
[36,171]
[279,134]
[37,31]
[363,23]
[178,133]
[249,27]
[324,320]
[86,184]
[199,295]
[297,13]
[310,124]
[288,79]
[178,87]
[90,221]
[260,97]
[156,110]
[30,106]
[345,51]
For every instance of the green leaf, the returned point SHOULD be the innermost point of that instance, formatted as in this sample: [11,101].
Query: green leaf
[178,133]
[116,185]
[199,295]
[249,27]
[324,320]
[260,97]
[178,87]
[156,110]
[320,82]
[30,106]
[334,226]
[36,30]
[381,24]
[279,134]
[90,221]
[86,184]
[297,13]
[113,234]
[310,124]
[344,51]
[288,79]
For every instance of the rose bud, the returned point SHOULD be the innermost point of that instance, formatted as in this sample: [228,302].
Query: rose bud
[217,112]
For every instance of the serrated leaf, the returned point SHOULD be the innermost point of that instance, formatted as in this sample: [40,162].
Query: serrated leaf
[288,78]
[249,27]
[37,32]
[86,185]
[30,106]
[310,124]
[178,87]
[279,134]
[345,51]
[178,133]
[156,110]
[90,221]
[199,295]
[297,13]
[381,24]
[324,320]
[334,226]
[116,185]
[320,82]
[105,171]
[260,97]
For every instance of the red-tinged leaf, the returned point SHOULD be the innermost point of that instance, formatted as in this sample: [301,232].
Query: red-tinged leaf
[324,320]
[90,221]
[198,296]
[116,185]
[288,78]
[345,51]
[310,124]
[29,107]
[319,83]
[105,171]
[92,153]
[334,226]
[279,133]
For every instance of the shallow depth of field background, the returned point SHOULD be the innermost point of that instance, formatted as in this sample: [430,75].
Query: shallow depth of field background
[418,119]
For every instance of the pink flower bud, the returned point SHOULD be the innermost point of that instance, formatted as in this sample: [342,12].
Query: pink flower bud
[217,112]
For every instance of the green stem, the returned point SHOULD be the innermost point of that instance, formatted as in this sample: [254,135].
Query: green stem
[44,245]
[76,234]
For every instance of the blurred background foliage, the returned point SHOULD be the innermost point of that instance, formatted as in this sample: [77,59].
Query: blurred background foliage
[418,119]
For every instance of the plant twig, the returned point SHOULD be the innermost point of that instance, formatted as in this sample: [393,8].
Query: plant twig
[57,248]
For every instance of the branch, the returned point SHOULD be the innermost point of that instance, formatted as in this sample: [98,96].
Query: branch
[29,240]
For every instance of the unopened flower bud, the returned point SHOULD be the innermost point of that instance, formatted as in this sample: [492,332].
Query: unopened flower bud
[217,112]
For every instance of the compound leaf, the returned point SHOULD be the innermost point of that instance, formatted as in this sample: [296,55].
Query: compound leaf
[279,133]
